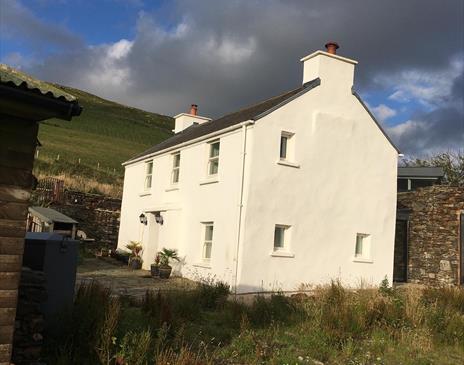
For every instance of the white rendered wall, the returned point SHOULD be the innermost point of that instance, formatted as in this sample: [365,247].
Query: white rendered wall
[345,184]
[193,200]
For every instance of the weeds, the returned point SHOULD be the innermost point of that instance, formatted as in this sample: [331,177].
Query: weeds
[200,326]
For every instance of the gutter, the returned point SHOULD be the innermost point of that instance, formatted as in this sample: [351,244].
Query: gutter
[240,207]
[187,143]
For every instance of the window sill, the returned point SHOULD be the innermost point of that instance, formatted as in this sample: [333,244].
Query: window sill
[363,260]
[288,163]
[144,193]
[211,180]
[172,188]
[282,254]
[205,265]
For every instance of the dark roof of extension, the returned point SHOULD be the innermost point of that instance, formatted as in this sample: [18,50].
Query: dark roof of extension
[421,171]
[253,112]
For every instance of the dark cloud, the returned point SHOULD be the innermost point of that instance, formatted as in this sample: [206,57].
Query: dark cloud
[19,23]
[223,55]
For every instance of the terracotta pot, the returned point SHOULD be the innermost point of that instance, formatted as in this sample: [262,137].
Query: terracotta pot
[165,272]
[135,264]
[154,270]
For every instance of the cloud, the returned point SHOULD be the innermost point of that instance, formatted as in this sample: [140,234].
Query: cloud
[225,55]
[383,112]
[18,22]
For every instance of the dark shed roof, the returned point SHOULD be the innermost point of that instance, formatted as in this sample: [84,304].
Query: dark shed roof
[253,112]
[50,215]
[432,172]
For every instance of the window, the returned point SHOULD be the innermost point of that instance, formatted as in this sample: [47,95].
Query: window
[148,174]
[281,234]
[362,249]
[213,162]
[286,146]
[175,168]
[208,241]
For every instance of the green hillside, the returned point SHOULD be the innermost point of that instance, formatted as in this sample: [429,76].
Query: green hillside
[92,146]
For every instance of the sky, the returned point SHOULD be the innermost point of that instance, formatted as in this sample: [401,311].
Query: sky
[162,56]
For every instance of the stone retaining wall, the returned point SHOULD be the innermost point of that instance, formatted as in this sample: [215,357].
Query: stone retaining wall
[434,234]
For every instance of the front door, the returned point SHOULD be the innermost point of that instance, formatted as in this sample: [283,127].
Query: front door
[400,263]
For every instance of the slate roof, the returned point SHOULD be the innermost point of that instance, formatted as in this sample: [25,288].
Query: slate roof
[50,215]
[432,172]
[15,78]
[253,112]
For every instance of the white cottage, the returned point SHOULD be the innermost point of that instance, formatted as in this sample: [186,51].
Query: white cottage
[300,188]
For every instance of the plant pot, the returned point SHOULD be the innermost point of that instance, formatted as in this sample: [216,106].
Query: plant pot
[135,264]
[154,269]
[165,272]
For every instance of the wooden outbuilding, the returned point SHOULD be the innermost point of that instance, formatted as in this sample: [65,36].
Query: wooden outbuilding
[24,101]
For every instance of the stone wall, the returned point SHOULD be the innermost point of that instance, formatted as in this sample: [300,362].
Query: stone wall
[29,323]
[434,234]
[98,215]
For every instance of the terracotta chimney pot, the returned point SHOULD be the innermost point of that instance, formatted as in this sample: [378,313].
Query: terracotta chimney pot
[194,109]
[332,47]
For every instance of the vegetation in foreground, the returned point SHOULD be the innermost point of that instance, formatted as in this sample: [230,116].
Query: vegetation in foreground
[333,326]
[92,146]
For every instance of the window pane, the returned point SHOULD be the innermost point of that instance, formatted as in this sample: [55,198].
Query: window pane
[149,168]
[283,146]
[176,162]
[214,149]
[207,250]
[213,167]
[279,237]
[148,182]
[209,233]
[175,175]
[359,245]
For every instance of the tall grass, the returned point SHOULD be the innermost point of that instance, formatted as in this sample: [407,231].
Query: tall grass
[333,325]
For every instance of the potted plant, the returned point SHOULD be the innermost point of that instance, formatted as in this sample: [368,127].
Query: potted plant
[154,268]
[135,258]
[166,256]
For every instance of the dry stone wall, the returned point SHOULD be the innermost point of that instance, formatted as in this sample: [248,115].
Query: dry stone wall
[434,234]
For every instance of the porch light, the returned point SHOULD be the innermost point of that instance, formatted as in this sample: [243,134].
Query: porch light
[159,218]
[143,219]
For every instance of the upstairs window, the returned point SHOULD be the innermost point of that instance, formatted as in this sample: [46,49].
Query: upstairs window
[208,240]
[281,237]
[175,168]
[213,162]
[148,174]
[286,146]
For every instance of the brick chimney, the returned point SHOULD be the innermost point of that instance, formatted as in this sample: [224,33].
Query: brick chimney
[333,70]
[185,120]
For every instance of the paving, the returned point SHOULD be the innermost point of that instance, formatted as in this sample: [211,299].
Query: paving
[124,281]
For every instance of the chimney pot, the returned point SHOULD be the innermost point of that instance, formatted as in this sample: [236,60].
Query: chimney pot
[194,109]
[332,47]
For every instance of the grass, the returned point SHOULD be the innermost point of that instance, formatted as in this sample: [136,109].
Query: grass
[333,326]
[94,145]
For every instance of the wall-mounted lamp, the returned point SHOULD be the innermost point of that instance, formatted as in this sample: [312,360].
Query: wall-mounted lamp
[159,218]
[143,219]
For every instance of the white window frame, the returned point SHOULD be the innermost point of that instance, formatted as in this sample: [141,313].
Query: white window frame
[212,159]
[206,242]
[175,169]
[148,182]
[286,238]
[289,146]
[362,248]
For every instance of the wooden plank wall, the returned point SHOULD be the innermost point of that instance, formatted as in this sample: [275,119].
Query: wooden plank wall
[17,146]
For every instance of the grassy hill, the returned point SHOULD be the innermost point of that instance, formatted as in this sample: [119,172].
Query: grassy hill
[88,151]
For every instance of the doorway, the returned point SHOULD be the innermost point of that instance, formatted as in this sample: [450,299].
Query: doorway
[400,261]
